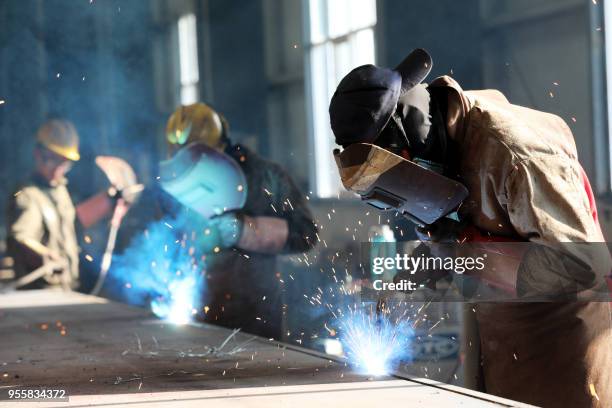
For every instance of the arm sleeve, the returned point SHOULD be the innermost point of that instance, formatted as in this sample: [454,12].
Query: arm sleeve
[25,231]
[24,218]
[547,205]
[290,204]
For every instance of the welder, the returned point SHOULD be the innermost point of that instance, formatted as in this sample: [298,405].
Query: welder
[241,238]
[41,233]
[471,165]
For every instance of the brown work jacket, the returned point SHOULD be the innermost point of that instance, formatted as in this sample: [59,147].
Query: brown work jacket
[44,214]
[521,168]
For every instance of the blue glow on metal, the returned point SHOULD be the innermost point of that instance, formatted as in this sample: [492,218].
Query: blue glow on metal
[374,345]
[161,269]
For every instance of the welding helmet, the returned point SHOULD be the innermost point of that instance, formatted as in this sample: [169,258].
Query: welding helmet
[60,137]
[393,157]
[197,122]
[204,179]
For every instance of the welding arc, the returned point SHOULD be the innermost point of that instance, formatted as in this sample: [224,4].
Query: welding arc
[120,209]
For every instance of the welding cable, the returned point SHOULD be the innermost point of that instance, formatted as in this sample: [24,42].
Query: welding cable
[121,208]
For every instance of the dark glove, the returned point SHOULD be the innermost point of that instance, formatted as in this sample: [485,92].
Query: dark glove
[422,277]
[444,230]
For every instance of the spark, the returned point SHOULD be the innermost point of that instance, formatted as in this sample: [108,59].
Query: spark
[2,101]
[374,345]
[176,307]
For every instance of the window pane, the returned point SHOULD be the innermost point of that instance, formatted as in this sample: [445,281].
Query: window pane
[189,94]
[362,14]
[348,43]
[188,49]
[318,20]
[343,60]
[327,181]
[338,17]
[362,47]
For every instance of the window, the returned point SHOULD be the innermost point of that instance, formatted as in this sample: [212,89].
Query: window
[340,37]
[188,59]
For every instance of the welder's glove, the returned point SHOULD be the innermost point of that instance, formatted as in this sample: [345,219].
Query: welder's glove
[229,226]
[422,277]
[444,230]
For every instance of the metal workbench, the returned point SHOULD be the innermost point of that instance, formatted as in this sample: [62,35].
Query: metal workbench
[109,354]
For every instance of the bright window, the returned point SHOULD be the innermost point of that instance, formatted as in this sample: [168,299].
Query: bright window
[188,59]
[340,37]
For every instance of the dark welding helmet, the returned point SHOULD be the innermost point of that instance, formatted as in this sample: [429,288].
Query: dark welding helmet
[382,119]
[390,182]
[204,179]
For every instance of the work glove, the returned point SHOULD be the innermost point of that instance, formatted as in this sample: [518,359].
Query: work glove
[444,230]
[229,226]
[422,277]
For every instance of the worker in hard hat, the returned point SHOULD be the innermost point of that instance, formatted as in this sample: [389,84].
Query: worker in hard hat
[243,286]
[41,234]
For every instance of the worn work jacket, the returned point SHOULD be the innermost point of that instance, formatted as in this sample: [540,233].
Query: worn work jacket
[44,214]
[522,171]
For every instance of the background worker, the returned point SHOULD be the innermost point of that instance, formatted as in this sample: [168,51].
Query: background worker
[243,285]
[41,236]
[525,183]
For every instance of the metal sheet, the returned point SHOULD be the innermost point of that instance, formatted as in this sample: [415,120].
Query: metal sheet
[105,353]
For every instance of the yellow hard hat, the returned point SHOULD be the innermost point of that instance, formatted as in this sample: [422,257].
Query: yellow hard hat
[60,137]
[197,122]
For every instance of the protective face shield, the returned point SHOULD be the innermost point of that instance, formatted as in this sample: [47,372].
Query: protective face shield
[195,123]
[388,181]
[395,140]
[205,180]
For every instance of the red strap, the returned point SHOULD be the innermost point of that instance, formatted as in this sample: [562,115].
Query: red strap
[590,195]
[473,234]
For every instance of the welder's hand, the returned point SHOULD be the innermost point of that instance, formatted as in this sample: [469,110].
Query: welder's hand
[444,230]
[422,277]
[229,226]
[55,262]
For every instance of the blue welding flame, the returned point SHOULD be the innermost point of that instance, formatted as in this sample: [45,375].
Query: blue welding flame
[161,269]
[374,345]
[178,305]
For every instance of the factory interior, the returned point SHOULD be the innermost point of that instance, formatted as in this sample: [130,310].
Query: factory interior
[140,320]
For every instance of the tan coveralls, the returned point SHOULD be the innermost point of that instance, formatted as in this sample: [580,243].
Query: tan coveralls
[522,171]
[41,218]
